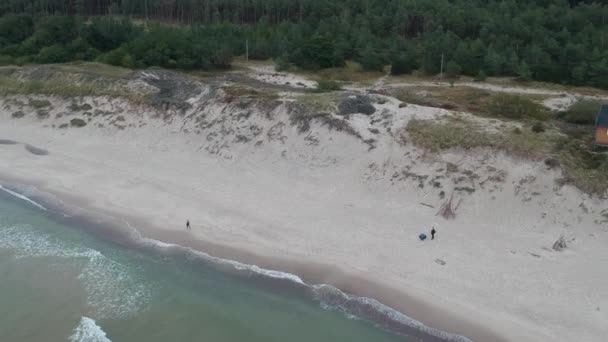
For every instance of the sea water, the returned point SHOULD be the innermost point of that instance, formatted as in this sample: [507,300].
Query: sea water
[60,283]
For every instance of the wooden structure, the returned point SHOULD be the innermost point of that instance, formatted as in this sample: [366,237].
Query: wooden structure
[601,127]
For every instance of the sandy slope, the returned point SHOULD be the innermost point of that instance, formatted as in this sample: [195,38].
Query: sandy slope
[324,197]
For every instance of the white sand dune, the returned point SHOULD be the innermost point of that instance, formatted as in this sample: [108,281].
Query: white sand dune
[255,183]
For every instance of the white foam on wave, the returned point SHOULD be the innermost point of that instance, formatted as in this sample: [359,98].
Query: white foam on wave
[235,264]
[22,197]
[329,296]
[333,298]
[88,331]
[112,289]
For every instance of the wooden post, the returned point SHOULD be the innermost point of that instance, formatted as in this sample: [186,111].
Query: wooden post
[441,73]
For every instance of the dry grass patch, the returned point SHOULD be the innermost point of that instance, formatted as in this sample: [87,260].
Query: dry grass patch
[244,91]
[352,73]
[70,80]
[34,103]
[581,167]
[515,107]
[319,102]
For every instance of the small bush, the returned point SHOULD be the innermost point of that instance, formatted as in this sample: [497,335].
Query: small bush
[516,107]
[42,114]
[281,63]
[78,122]
[403,64]
[76,107]
[327,86]
[538,128]
[371,60]
[582,112]
[39,103]
[480,77]
[52,54]
[17,115]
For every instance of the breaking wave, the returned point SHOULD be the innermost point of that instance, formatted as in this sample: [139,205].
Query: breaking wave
[22,197]
[329,297]
[88,331]
[110,288]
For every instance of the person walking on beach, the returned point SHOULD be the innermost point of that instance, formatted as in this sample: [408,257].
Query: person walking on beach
[433,231]
[188,224]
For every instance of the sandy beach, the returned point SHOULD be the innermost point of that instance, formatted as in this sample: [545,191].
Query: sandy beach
[327,207]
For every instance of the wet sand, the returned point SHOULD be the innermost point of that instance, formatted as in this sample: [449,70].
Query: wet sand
[125,230]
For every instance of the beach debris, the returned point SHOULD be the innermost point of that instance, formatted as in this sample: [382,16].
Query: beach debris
[560,244]
[534,254]
[448,208]
[440,262]
[427,205]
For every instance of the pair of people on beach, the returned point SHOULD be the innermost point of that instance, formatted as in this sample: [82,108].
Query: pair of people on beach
[422,236]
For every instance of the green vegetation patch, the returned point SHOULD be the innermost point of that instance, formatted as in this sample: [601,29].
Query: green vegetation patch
[351,72]
[428,100]
[516,107]
[325,86]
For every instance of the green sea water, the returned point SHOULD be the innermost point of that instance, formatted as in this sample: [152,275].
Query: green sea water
[59,283]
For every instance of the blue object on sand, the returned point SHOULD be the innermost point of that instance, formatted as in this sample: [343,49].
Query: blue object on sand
[422,236]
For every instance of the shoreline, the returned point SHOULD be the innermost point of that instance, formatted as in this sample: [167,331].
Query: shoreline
[306,202]
[427,323]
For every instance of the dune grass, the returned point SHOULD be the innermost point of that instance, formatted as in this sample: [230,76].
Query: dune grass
[319,102]
[351,73]
[581,167]
[69,80]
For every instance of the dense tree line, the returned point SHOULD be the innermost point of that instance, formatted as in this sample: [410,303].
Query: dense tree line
[551,40]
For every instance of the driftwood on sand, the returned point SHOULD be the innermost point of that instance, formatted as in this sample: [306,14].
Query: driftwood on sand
[560,244]
[448,208]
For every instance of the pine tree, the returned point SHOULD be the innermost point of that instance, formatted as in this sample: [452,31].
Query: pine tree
[523,72]
[370,60]
[452,71]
